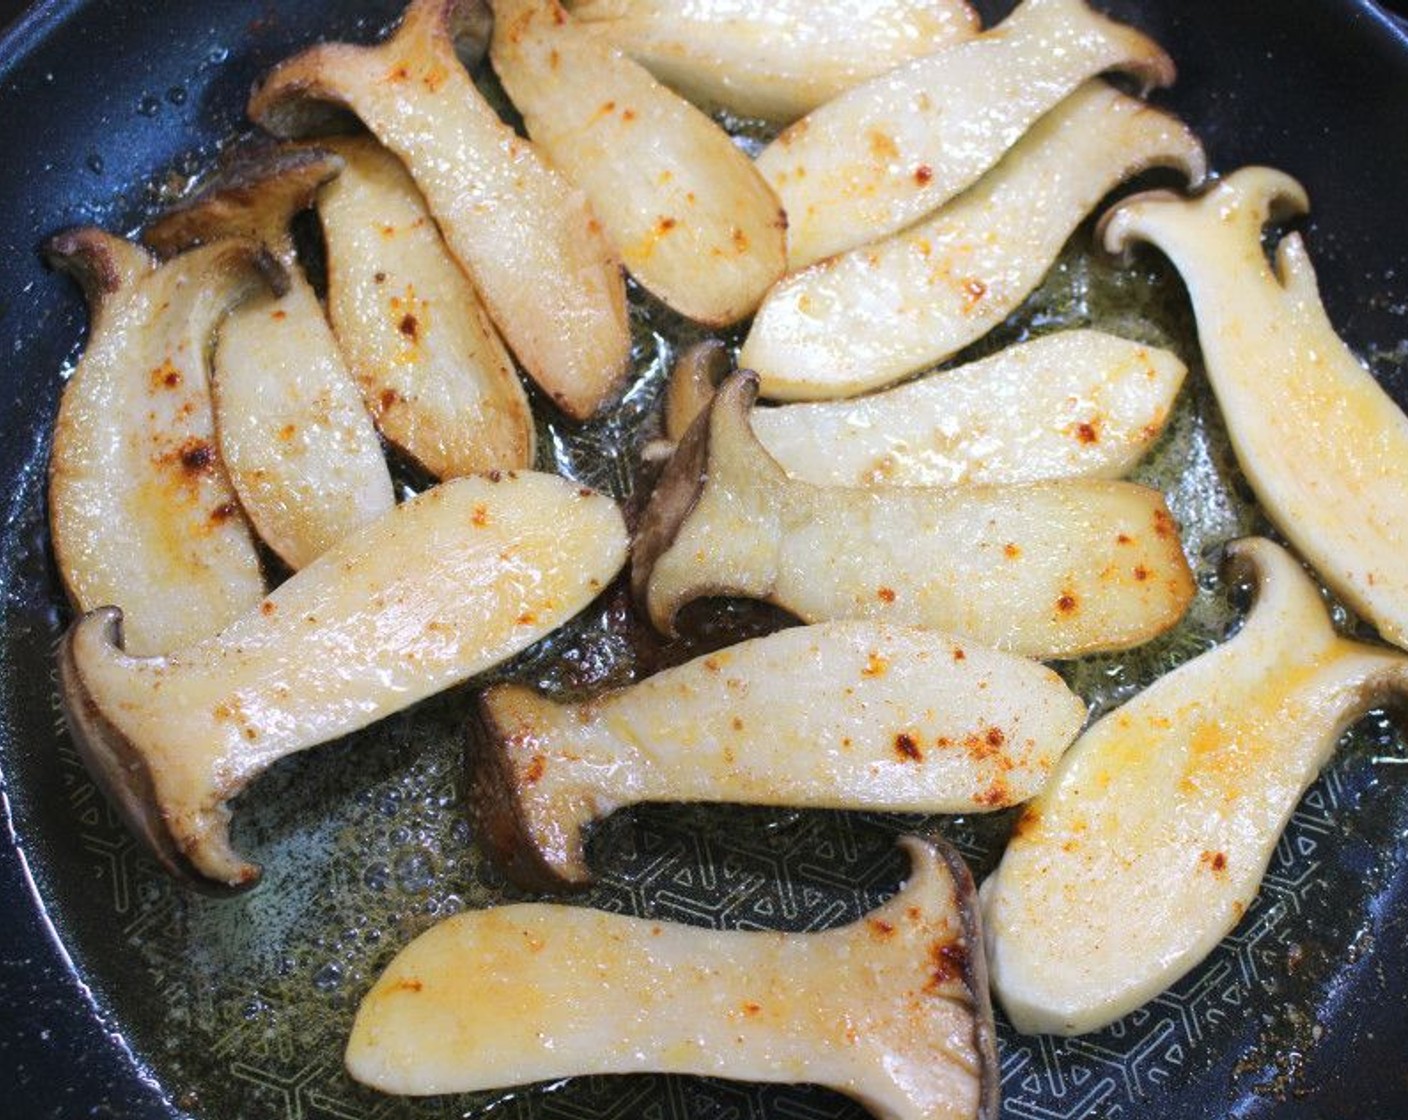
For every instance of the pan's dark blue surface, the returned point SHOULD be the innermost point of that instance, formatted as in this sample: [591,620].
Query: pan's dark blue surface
[98,98]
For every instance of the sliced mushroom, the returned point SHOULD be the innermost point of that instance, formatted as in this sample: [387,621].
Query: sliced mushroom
[844,715]
[300,448]
[693,220]
[891,1010]
[526,236]
[1324,447]
[1074,404]
[884,154]
[443,587]
[870,316]
[774,59]
[431,368]
[1151,841]
[141,512]
[1052,569]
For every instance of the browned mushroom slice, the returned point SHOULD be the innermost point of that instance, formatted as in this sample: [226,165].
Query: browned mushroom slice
[1151,841]
[842,715]
[1072,404]
[693,220]
[774,59]
[884,154]
[868,317]
[891,1010]
[431,368]
[524,234]
[442,587]
[1323,445]
[1050,569]
[141,512]
[300,448]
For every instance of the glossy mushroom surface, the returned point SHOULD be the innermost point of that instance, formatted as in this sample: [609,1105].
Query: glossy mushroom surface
[444,586]
[527,238]
[1150,842]
[891,1010]
[843,715]
[1049,569]
[141,510]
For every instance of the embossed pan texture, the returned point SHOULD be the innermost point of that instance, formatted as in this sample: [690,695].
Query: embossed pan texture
[123,996]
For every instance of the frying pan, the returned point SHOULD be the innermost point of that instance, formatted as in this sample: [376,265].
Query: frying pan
[114,997]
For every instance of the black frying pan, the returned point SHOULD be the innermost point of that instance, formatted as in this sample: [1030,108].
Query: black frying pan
[101,98]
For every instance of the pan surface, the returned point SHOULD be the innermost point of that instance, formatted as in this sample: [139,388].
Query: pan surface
[123,996]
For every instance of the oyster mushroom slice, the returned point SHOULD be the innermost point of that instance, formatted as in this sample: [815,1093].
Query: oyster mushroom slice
[526,236]
[1324,447]
[415,335]
[1150,842]
[442,587]
[300,448]
[1052,569]
[891,1010]
[882,155]
[1073,404]
[872,315]
[774,60]
[843,715]
[693,220]
[141,512]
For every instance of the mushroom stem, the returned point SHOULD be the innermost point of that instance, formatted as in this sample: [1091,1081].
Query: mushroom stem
[443,587]
[847,715]
[688,211]
[774,59]
[301,450]
[891,1010]
[1051,569]
[433,372]
[884,154]
[1072,404]
[526,237]
[1150,842]
[1322,444]
[141,510]
[870,316]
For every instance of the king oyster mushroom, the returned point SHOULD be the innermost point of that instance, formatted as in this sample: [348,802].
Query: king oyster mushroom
[527,237]
[440,588]
[1150,842]
[300,448]
[891,1010]
[141,512]
[843,715]
[885,153]
[1051,569]
[1073,404]
[872,315]
[693,220]
[432,370]
[1324,447]
[774,59]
